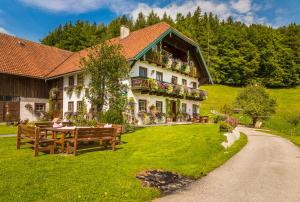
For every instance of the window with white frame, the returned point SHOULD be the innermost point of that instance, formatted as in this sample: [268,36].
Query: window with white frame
[79,105]
[142,105]
[142,72]
[195,109]
[39,107]
[194,85]
[70,106]
[159,106]
[159,76]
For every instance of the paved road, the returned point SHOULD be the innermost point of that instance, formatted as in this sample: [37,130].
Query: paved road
[266,169]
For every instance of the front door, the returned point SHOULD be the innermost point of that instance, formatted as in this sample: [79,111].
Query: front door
[173,109]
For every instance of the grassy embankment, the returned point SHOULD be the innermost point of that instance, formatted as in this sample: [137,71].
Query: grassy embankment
[288,104]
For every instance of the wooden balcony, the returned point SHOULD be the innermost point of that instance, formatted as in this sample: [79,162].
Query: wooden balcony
[167,61]
[155,87]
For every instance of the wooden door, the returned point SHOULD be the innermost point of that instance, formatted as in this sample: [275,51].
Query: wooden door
[9,111]
[173,109]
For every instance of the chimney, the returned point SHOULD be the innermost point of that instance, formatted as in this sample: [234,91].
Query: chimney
[124,31]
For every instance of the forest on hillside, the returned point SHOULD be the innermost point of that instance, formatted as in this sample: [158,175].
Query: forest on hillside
[236,54]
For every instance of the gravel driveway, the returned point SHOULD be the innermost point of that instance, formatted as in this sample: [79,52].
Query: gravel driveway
[266,169]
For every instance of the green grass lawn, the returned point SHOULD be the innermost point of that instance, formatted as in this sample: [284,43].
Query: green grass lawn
[4,129]
[288,101]
[190,150]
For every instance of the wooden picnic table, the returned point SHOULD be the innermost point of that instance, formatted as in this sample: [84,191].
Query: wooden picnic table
[64,131]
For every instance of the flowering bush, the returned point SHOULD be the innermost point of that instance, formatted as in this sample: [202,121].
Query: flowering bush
[178,65]
[153,84]
[225,127]
[181,91]
[232,121]
[169,63]
[170,89]
[187,68]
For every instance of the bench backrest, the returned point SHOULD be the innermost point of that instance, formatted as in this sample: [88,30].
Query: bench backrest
[94,132]
[28,131]
[118,127]
[43,124]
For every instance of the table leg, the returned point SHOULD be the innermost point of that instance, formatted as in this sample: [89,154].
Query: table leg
[54,138]
[62,143]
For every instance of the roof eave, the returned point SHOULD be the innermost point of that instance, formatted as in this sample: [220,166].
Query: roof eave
[180,35]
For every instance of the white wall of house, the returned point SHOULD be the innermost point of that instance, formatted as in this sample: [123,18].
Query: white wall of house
[25,113]
[167,76]
[167,73]
[74,97]
[151,99]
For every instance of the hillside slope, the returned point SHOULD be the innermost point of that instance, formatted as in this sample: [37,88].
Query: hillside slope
[288,104]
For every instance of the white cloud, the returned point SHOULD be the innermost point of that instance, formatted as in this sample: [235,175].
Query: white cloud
[241,6]
[80,6]
[243,10]
[2,30]
[220,9]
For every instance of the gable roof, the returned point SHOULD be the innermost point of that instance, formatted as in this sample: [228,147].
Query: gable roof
[132,45]
[25,58]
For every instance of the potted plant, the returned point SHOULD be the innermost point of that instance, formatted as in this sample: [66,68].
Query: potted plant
[153,84]
[160,116]
[170,89]
[178,65]
[170,117]
[180,117]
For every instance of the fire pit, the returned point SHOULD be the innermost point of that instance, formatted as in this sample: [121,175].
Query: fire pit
[167,182]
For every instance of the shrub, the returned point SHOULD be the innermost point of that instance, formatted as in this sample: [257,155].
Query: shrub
[129,128]
[225,127]
[113,116]
[232,121]
[219,118]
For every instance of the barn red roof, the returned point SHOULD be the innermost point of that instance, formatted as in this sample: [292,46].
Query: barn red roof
[26,58]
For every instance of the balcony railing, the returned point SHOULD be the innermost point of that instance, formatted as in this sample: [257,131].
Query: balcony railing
[152,86]
[169,62]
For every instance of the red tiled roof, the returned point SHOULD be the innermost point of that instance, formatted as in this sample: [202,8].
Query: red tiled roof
[131,46]
[26,58]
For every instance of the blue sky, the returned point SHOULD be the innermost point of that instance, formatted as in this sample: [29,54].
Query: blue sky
[33,19]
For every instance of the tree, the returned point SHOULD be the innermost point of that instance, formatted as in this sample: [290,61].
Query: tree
[256,103]
[108,69]
[236,54]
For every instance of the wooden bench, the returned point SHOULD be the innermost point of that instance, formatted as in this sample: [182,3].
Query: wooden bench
[32,135]
[101,135]
[119,130]
[42,125]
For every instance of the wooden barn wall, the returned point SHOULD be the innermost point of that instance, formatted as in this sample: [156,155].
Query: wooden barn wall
[23,86]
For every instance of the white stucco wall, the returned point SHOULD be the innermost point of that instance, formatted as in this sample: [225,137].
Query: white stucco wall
[167,74]
[25,114]
[74,97]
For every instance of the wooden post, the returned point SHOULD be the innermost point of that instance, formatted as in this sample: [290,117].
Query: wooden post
[19,137]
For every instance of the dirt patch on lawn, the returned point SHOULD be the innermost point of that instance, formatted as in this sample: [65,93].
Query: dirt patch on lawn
[167,182]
